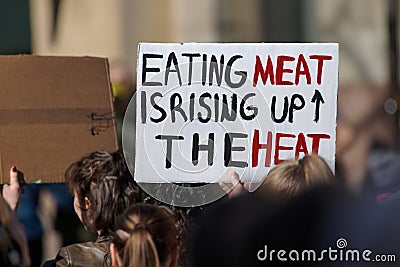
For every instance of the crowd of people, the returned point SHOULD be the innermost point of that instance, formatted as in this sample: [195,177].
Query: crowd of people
[300,205]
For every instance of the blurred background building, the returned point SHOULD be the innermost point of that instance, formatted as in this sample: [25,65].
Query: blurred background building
[113,29]
[366,30]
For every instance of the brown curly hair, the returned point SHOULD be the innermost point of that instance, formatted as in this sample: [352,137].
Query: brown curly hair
[105,180]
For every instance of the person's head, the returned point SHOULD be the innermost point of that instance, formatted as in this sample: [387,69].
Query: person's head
[293,177]
[102,187]
[145,236]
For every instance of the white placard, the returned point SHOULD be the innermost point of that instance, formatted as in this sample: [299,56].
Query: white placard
[204,109]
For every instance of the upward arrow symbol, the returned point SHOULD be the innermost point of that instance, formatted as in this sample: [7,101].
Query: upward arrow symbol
[317,99]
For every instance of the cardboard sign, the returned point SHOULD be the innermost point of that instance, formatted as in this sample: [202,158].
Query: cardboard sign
[53,110]
[206,109]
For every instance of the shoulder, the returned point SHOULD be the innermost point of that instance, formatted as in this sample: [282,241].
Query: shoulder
[85,254]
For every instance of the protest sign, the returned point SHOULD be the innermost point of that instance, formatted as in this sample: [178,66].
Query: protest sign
[206,109]
[54,110]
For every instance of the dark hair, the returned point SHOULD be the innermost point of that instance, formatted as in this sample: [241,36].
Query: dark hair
[145,235]
[105,180]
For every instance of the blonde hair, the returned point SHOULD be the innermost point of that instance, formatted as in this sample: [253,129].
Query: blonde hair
[145,235]
[293,177]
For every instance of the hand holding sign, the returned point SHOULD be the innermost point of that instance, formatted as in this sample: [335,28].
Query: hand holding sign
[12,192]
[235,187]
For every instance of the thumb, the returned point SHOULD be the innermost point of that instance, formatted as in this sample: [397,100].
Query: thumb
[14,176]
[234,177]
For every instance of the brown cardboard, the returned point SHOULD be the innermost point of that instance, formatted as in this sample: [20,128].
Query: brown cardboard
[49,113]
